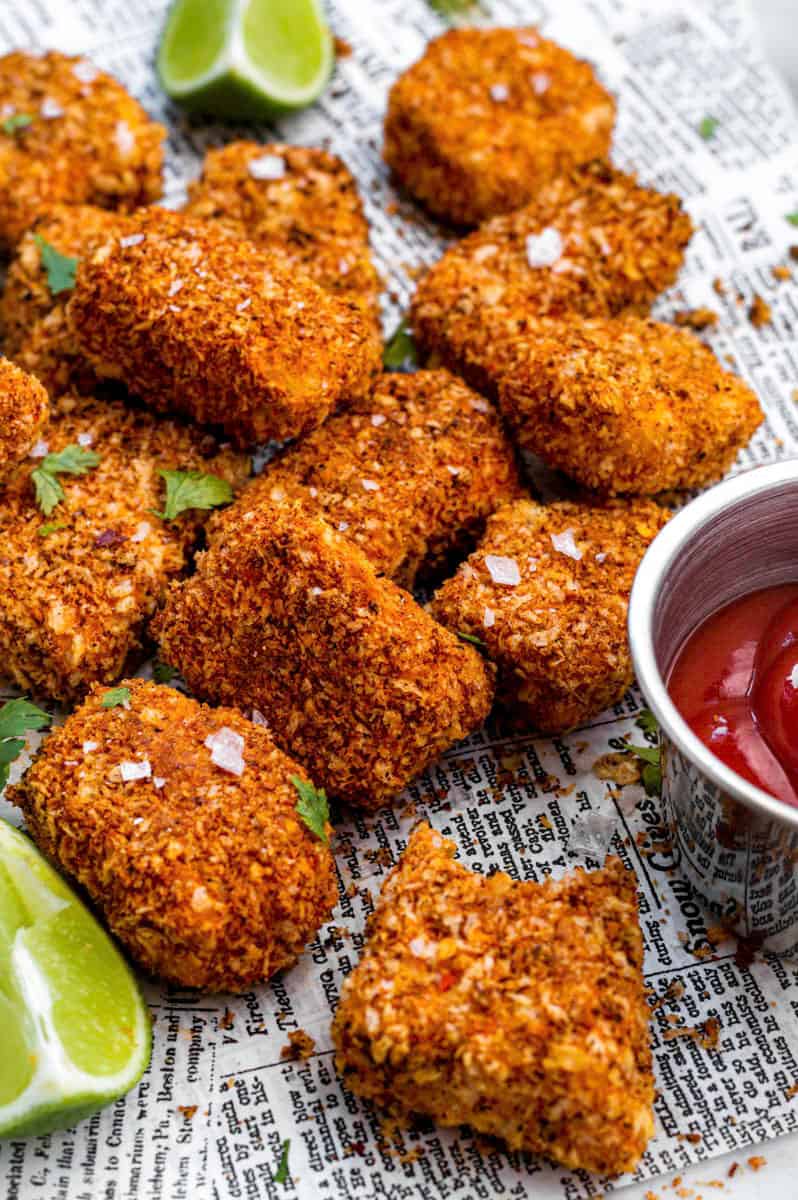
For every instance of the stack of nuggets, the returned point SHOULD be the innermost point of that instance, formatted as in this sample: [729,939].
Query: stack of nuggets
[77,588]
[24,413]
[410,476]
[180,822]
[547,593]
[517,1008]
[71,133]
[198,322]
[356,681]
[487,116]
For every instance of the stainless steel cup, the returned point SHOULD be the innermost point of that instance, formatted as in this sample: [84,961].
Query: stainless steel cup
[734,843]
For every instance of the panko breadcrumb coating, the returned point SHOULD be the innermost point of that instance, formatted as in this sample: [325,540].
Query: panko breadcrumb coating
[193,852]
[87,141]
[410,477]
[547,592]
[593,242]
[355,680]
[77,586]
[196,321]
[516,1008]
[298,202]
[486,117]
[626,405]
[24,412]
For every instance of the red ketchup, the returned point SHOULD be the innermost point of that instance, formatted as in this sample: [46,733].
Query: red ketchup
[735,682]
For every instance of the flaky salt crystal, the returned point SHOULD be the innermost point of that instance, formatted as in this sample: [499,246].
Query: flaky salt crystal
[503,570]
[142,529]
[543,249]
[200,899]
[131,771]
[85,439]
[268,166]
[488,618]
[480,405]
[378,418]
[600,557]
[452,470]
[132,239]
[343,526]
[258,717]
[89,746]
[40,449]
[369,485]
[244,304]
[540,83]
[174,287]
[499,92]
[85,71]
[227,750]
[159,782]
[50,109]
[565,544]
[422,948]
[123,136]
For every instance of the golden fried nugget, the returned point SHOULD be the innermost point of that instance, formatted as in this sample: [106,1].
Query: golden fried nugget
[486,117]
[516,1008]
[546,592]
[195,321]
[593,242]
[354,678]
[298,202]
[180,822]
[410,476]
[70,132]
[626,405]
[24,412]
[78,585]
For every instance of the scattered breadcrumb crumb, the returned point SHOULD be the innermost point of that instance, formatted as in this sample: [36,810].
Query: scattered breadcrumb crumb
[760,312]
[300,1046]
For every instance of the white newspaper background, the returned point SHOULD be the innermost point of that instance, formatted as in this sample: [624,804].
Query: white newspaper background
[213,1111]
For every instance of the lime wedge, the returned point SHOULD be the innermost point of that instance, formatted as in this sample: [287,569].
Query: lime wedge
[76,1033]
[245,59]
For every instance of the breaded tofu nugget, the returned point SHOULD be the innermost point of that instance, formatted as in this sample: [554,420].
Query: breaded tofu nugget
[180,822]
[298,202]
[516,1008]
[24,412]
[355,680]
[626,405]
[410,477]
[486,117]
[195,321]
[593,242]
[546,593]
[69,132]
[77,585]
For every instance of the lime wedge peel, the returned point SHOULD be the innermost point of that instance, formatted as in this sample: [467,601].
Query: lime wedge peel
[77,1033]
[245,59]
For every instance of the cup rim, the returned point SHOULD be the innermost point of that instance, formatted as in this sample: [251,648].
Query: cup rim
[653,568]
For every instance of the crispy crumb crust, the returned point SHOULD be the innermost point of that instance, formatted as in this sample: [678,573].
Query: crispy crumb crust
[622,244]
[558,637]
[74,602]
[355,680]
[516,1008]
[410,477]
[311,216]
[89,141]
[626,405]
[24,412]
[210,880]
[195,321]
[466,152]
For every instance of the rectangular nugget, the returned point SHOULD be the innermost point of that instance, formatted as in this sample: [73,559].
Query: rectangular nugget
[516,1008]
[77,586]
[193,320]
[356,681]
[410,476]
[24,413]
[546,592]
[181,823]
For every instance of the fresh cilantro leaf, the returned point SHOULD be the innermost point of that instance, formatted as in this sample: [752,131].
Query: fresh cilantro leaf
[16,717]
[791,217]
[647,721]
[163,673]
[116,697]
[312,807]
[60,268]
[17,121]
[46,530]
[400,350]
[707,128]
[192,489]
[469,637]
[72,460]
[281,1174]
[452,9]
[651,772]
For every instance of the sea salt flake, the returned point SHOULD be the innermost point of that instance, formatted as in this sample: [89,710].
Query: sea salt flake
[159,781]
[499,92]
[123,136]
[132,239]
[540,82]
[378,418]
[243,304]
[142,529]
[343,526]
[543,249]
[85,439]
[89,746]
[369,485]
[258,717]
[422,948]
[344,266]
[600,557]
[591,834]
[313,492]
[131,771]
[565,544]
[268,166]
[503,570]
[488,618]
[316,591]
[480,405]
[227,750]
[200,899]
[50,109]
[174,308]
[85,71]
[452,470]
[174,287]
[40,449]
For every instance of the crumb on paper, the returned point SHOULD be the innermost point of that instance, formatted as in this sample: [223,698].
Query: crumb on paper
[697,318]
[300,1046]
[760,312]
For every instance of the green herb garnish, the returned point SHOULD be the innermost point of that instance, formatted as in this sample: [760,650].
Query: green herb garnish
[451,10]
[16,122]
[16,718]
[163,673]
[72,460]
[312,807]
[116,697]
[281,1174]
[707,128]
[46,530]
[648,756]
[192,489]
[792,217]
[647,722]
[400,349]
[60,268]
[469,637]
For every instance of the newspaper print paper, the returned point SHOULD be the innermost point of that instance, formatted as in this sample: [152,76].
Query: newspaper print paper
[211,1115]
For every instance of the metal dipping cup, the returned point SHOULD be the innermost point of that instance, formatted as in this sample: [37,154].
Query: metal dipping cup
[736,845]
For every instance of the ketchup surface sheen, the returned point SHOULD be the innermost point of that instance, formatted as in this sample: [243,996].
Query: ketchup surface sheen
[735,682]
